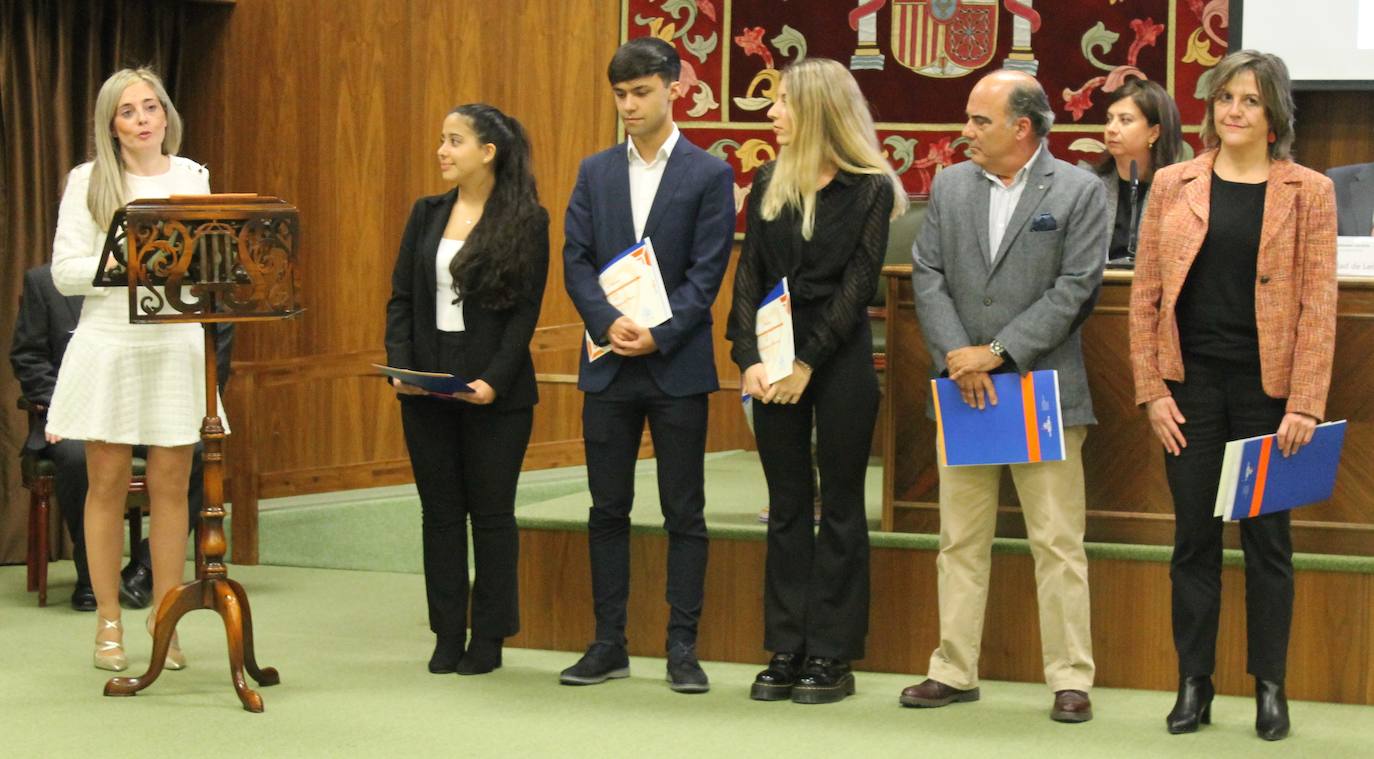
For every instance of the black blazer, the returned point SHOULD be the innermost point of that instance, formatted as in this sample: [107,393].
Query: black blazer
[42,330]
[497,348]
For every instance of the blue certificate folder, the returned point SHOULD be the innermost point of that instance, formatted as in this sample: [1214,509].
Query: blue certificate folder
[1256,478]
[1024,427]
[434,382]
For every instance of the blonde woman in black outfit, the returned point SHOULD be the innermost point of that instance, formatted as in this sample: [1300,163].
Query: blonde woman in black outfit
[465,298]
[819,217]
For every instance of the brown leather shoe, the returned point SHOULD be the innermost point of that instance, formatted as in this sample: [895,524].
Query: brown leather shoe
[935,693]
[1071,706]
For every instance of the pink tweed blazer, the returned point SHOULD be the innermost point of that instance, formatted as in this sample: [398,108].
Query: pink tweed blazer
[1295,285]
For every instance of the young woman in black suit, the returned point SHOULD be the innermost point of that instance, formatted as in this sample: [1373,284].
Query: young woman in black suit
[465,297]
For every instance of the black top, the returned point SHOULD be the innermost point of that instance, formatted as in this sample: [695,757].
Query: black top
[1121,230]
[831,277]
[1216,308]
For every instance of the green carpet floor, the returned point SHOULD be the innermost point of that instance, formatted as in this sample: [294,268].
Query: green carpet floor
[351,648]
[339,604]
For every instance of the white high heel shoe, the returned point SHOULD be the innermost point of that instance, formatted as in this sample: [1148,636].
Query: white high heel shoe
[109,654]
[175,659]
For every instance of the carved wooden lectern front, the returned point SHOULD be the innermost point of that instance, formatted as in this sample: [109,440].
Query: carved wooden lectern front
[207,259]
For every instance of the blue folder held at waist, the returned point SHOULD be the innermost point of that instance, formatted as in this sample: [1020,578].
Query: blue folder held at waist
[440,383]
[1024,427]
[1257,479]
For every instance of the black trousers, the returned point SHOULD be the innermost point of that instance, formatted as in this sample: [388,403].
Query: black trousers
[815,597]
[1221,405]
[612,424]
[70,486]
[466,461]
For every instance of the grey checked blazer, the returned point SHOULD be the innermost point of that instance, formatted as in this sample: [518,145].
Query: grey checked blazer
[1036,292]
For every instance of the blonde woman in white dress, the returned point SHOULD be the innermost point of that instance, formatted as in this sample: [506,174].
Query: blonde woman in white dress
[123,384]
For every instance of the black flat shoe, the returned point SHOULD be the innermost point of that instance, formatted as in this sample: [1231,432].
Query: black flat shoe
[602,662]
[776,682]
[448,649]
[685,674]
[1193,705]
[1271,710]
[823,681]
[135,586]
[483,655]
[83,598]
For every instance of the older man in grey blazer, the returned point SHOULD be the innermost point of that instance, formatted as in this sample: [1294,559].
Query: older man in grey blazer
[1007,265]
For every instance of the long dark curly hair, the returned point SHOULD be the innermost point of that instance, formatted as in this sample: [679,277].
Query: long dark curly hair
[494,268]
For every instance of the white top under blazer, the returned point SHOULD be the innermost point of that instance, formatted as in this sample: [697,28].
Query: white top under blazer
[448,306]
[137,384]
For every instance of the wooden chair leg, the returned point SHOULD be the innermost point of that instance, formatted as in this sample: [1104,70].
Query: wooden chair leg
[31,553]
[43,533]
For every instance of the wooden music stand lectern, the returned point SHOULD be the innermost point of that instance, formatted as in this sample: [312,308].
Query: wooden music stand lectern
[206,259]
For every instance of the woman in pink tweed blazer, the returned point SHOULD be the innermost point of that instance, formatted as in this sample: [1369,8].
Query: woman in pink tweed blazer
[1233,326]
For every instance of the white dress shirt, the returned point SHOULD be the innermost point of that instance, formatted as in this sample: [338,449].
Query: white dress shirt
[645,177]
[448,309]
[1002,202]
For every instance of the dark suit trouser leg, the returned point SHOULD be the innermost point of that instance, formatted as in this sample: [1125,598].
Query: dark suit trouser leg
[612,424]
[70,488]
[494,443]
[816,583]
[1220,407]
[467,463]
[678,428]
[611,428]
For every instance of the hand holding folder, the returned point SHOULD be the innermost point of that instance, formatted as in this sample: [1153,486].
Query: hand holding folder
[433,383]
[633,283]
[1023,428]
[1256,479]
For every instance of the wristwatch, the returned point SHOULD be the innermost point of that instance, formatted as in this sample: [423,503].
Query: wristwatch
[998,349]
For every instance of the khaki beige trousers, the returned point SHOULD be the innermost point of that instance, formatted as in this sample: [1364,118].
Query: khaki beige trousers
[1052,501]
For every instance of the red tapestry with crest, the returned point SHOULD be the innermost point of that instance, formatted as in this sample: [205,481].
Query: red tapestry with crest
[916,60]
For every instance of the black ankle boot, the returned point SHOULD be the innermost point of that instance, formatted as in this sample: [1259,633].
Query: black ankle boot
[1271,710]
[448,649]
[1193,706]
[483,655]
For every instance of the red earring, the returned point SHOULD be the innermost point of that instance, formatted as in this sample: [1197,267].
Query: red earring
[1272,137]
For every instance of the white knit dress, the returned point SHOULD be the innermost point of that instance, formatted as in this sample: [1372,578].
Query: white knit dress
[139,384]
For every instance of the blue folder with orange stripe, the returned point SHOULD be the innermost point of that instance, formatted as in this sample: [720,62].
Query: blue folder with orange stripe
[1256,478]
[1024,427]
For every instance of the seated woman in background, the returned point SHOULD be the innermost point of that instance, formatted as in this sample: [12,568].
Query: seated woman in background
[465,297]
[1142,126]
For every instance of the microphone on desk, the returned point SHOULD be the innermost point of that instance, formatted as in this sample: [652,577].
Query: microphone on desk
[1135,209]
[1128,261]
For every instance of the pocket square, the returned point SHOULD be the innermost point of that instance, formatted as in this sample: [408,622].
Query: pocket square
[1044,222]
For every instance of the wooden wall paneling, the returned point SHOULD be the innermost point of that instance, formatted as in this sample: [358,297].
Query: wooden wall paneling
[1333,128]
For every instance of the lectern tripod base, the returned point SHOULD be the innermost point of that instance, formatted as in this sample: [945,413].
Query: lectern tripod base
[225,597]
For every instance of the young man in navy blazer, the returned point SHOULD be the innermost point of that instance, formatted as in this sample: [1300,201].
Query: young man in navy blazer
[660,186]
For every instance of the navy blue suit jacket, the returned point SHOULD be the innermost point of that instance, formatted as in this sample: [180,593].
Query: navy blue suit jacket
[691,224]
